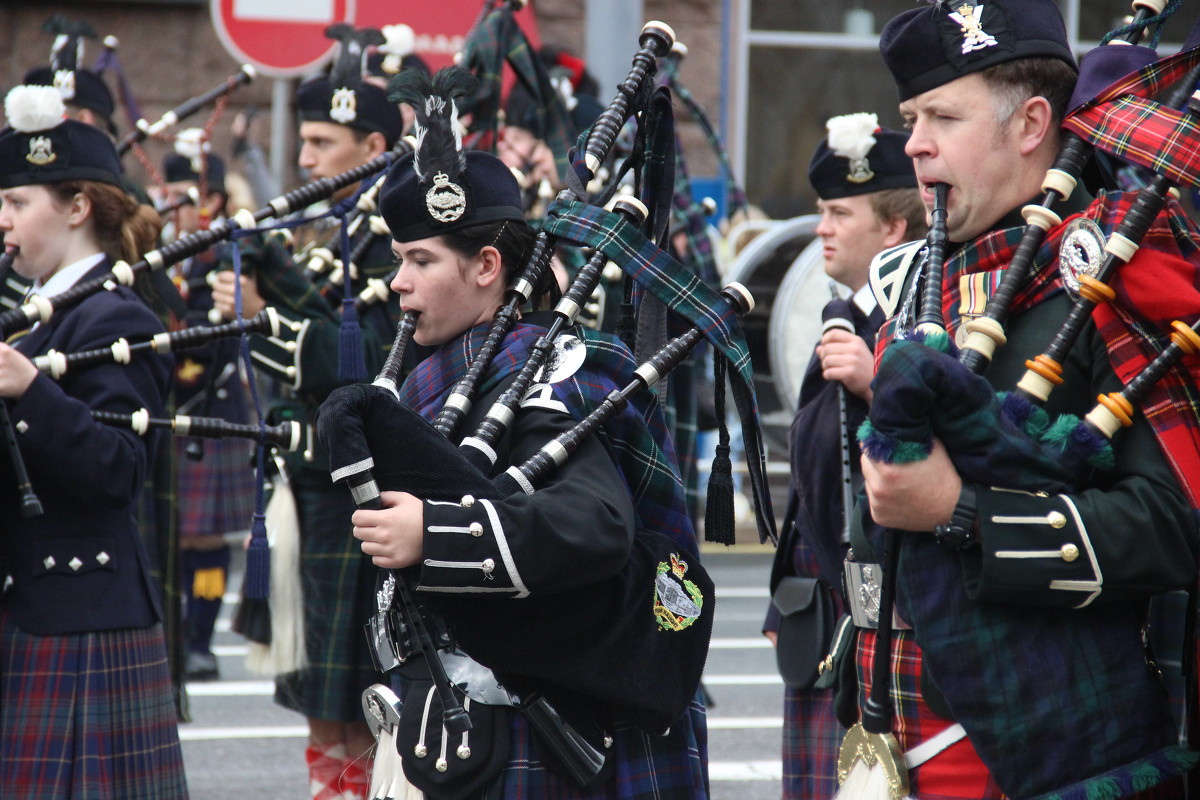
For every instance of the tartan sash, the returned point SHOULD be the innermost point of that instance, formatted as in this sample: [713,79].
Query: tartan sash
[688,296]
[637,436]
[1122,121]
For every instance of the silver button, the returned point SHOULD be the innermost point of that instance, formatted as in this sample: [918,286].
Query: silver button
[22,426]
[103,557]
[488,566]
[420,751]
[463,751]
[75,564]
[476,529]
[467,501]
[442,765]
[49,562]
[1056,519]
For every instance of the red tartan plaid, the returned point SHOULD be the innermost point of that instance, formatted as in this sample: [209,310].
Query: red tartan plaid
[956,773]
[1122,122]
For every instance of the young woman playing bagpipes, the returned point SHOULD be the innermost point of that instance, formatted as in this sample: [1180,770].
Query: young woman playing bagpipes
[509,573]
[86,708]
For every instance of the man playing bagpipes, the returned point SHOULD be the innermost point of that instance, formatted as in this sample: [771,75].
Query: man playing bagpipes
[346,122]
[1017,663]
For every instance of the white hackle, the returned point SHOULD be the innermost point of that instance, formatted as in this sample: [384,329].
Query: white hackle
[852,135]
[34,108]
[191,143]
[865,783]
[286,652]
[401,41]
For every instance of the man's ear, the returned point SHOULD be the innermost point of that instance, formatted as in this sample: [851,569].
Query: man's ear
[376,144]
[1034,119]
[895,231]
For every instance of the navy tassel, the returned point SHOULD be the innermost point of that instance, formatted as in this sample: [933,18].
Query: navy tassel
[256,583]
[352,364]
[718,511]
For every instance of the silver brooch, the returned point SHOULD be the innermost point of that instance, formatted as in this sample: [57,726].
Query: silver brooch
[1081,252]
[343,106]
[564,360]
[446,201]
[64,81]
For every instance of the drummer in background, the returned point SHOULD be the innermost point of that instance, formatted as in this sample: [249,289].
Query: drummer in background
[868,201]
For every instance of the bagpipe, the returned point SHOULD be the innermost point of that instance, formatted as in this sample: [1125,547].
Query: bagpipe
[144,130]
[376,444]
[37,309]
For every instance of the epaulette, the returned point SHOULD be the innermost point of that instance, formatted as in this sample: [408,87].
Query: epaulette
[888,271]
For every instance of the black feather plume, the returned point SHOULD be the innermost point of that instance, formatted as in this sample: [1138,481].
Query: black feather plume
[67,51]
[439,140]
[348,65]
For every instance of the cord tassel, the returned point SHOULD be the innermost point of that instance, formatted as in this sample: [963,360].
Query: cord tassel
[719,511]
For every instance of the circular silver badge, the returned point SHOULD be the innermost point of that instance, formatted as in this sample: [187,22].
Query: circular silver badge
[564,360]
[1080,253]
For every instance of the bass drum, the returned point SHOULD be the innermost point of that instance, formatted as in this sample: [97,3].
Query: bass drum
[782,268]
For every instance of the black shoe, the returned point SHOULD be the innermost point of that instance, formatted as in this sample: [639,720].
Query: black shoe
[201,667]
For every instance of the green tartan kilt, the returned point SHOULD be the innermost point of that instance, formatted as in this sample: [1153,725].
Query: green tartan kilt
[339,587]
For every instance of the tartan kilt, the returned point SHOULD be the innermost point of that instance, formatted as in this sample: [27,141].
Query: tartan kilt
[87,716]
[339,597]
[812,737]
[648,766]
[216,493]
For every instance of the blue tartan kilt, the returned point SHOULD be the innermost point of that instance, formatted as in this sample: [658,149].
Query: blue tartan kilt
[87,716]
[216,493]
[648,766]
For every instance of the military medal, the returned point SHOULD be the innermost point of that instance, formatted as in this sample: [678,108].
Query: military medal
[1081,252]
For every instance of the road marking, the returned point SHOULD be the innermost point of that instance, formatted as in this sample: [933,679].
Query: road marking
[745,770]
[267,688]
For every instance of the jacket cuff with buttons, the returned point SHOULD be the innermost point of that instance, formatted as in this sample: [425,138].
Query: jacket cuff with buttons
[466,550]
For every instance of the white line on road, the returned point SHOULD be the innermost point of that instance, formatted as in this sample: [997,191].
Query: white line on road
[267,688]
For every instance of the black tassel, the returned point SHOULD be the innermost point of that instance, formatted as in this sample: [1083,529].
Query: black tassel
[718,511]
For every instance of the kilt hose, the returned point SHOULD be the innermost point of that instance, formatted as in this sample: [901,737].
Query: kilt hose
[87,716]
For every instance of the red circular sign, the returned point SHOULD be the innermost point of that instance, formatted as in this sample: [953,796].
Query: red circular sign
[283,39]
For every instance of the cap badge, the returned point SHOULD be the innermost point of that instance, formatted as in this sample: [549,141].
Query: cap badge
[64,81]
[41,151]
[678,602]
[343,106]
[446,201]
[975,37]
[860,170]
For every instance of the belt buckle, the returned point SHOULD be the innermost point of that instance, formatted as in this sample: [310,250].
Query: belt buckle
[864,582]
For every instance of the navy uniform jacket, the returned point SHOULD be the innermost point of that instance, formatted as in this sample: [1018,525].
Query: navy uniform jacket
[81,566]
[810,542]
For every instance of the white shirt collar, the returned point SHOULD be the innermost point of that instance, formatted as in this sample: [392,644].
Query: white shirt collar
[67,277]
[864,298]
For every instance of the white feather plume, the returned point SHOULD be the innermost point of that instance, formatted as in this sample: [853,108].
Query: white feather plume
[852,135]
[401,41]
[34,108]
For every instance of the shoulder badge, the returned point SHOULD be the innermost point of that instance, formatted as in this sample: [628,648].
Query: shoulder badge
[677,601]
[889,269]
[445,200]
[41,151]
[1081,252]
[343,105]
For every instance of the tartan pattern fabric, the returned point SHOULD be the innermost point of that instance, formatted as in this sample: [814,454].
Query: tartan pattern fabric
[954,774]
[1121,121]
[648,766]
[87,716]
[686,295]
[811,740]
[338,583]
[216,493]
[637,435]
